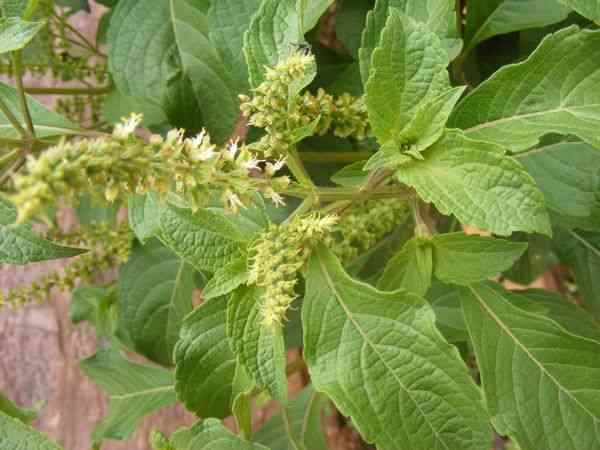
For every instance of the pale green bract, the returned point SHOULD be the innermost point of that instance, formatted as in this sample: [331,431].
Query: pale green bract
[477,183]
[380,358]
[134,391]
[553,91]
[542,384]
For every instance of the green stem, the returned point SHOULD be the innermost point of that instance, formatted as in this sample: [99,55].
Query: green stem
[287,421]
[294,163]
[335,194]
[12,119]
[304,207]
[67,91]
[334,157]
[17,62]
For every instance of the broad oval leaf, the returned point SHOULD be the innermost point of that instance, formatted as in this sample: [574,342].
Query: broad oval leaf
[380,358]
[15,33]
[477,183]
[210,434]
[259,348]
[10,409]
[205,365]
[587,8]
[15,435]
[542,383]
[463,259]
[155,295]
[134,391]
[226,279]
[553,91]
[488,18]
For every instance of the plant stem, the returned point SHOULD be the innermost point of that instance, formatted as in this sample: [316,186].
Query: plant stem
[295,165]
[17,62]
[334,157]
[287,421]
[67,90]
[12,119]
[334,194]
[305,206]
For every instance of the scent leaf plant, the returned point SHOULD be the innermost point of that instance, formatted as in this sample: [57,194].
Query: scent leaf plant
[342,189]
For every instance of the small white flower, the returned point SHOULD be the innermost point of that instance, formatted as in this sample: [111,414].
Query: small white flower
[206,154]
[127,126]
[253,163]
[232,150]
[279,164]
[277,199]
[174,137]
[196,141]
[234,201]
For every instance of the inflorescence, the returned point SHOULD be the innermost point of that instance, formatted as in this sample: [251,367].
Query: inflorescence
[122,163]
[278,255]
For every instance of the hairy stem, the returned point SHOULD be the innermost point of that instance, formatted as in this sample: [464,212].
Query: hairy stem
[12,119]
[17,62]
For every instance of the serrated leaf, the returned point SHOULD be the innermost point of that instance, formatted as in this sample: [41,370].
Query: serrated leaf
[226,279]
[228,22]
[144,216]
[145,63]
[520,354]
[478,184]
[260,349]
[488,18]
[463,259]
[15,33]
[210,434]
[15,435]
[96,305]
[408,387]
[134,391]
[408,68]
[19,244]
[211,81]
[46,122]
[581,250]
[305,417]
[445,301]
[568,174]
[207,239]
[437,15]
[10,409]
[155,294]
[587,8]
[550,92]
[205,365]
[410,269]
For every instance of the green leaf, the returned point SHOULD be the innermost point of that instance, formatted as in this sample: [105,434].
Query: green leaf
[305,417]
[15,435]
[259,348]
[410,269]
[145,63]
[207,239]
[92,210]
[155,294]
[118,105]
[241,408]
[96,305]
[462,259]
[134,391]
[313,12]
[19,244]
[445,301]
[351,175]
[537,259]
[567,173]
[587,8]
[9,408]
[350,21]
[46,122]
[550,92]
[408,68]
[205,365]
[488,18]
[273,33]
[560,396]
[408,387]
[144,216]
[581,250]
[211,81]
[226,279]
[478,184]
[15,33]
[210,434]
[228,22]
[437,16]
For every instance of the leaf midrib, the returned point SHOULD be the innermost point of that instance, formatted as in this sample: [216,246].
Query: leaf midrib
[171,387]
[339,299]
[504,120]
[529,354]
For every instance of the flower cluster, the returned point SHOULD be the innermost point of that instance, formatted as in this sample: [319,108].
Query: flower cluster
[278,255]
[107,246]
[366,224]
[277,106]
[122,163]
